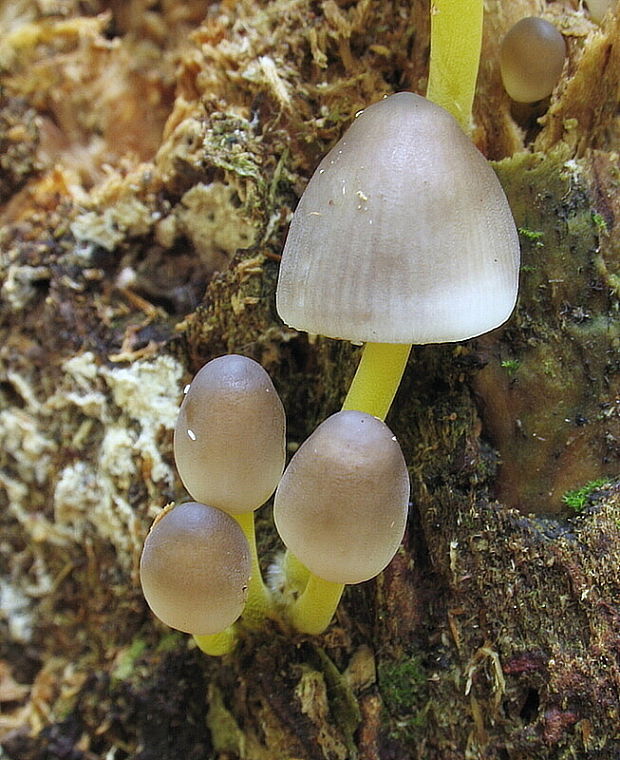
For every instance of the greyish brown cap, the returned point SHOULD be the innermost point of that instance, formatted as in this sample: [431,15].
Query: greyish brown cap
[195,569]
[341,506]
[531,59]
[229,437]
[403,235]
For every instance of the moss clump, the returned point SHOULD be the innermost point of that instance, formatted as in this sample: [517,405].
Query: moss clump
[578,498]
[403,689]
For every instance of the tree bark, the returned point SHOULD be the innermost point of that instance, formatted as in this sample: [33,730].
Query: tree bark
[151,156]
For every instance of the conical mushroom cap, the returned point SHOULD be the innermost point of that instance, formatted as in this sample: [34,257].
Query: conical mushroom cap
[403,235]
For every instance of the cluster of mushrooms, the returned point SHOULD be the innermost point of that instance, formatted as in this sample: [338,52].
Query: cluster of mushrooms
[403,236]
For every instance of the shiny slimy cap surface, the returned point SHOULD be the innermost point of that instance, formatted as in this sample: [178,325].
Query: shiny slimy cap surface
[341,506]
[195,568]
[229,436]
[403,234]
[531,59]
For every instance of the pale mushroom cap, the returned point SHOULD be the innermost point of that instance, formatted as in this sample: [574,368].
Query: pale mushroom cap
[531,59]
[341,506]
[195,569]
[403,235]
[229,441]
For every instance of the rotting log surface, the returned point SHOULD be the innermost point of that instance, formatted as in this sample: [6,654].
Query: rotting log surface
[151,155]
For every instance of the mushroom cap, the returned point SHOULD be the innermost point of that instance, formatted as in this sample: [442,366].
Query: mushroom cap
[195,569]
[403,234]
[531,59]
[341,506]
[229,442]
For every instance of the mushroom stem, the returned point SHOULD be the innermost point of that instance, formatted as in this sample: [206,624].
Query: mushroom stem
[259,603]
[314,609]
[296,573]
[377,378]
[456,41]
[218,644]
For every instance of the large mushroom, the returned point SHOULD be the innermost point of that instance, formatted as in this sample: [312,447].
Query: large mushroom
[403,235]
[406,218]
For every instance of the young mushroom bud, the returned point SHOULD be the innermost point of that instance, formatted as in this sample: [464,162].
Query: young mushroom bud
[195,569]
[409,221]
[229,436]
[341,506]
[531,59]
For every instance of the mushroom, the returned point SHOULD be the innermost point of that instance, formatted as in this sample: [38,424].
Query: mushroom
[410,221]
[195,569]
[229,447]
[531,59]
[229,438]
[341,509]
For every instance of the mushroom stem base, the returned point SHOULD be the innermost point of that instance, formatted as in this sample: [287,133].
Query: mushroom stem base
[217,644]
[377,378]
[314,609]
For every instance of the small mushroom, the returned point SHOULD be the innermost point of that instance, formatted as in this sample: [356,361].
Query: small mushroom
[195,569]
[406,227]
[531,59]
[229,442]
[341,506]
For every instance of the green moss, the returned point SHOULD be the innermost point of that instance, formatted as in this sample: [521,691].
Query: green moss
[599,222]
[533,235]
[510,365]
[403,689]
[578,498]
[126,661]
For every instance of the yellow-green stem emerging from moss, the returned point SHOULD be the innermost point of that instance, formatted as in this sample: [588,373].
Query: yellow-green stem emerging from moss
[456,41]
[258,605]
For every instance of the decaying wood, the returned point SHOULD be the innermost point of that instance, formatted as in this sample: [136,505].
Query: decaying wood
[151,154]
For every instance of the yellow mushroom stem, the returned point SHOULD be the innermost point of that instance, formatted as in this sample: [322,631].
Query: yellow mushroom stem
[259,604]
[456,41]
[315,608]
[218,644]
[377,378]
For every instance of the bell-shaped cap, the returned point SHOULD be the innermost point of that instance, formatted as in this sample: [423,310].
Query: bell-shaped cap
[195,569]
[229,442]
[531,59]
[403,234]
[341,506]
